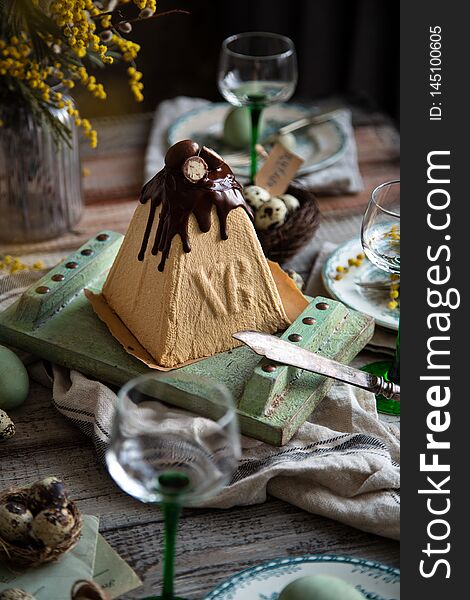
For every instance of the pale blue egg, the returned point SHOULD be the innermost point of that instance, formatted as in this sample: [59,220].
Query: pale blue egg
[237,128]
[14,380]
[320,587]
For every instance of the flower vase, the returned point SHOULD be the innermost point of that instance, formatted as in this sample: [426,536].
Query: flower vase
[40,179]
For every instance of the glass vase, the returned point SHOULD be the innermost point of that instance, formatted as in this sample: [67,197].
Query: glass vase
[40,180]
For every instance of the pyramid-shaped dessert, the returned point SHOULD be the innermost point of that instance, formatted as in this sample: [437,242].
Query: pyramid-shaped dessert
[190,271]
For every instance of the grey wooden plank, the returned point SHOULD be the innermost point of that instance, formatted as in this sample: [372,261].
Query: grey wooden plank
[38,424]
[212,544]
[213,547]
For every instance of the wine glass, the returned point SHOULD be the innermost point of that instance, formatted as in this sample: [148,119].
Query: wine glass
[380,236]
[160,454]
[257,69]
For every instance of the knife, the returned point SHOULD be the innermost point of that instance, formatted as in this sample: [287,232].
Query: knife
[287,353]
[312,120]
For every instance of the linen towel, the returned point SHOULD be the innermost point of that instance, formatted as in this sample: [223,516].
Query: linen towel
[344,465]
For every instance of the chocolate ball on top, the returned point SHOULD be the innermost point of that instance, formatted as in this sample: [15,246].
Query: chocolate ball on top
[179,153]
[195,162]
[194,180]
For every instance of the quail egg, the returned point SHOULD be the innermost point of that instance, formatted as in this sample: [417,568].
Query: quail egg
[256,196]
[291,202]
[47,493]
[7,427]
[271,214]
[52,526]
[15,521]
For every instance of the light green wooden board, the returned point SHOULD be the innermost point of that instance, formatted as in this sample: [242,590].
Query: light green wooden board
[61,327]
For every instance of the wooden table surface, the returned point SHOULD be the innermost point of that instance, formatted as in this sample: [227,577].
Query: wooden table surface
[212,544]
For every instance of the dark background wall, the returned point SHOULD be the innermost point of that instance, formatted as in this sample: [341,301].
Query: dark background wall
[347,48]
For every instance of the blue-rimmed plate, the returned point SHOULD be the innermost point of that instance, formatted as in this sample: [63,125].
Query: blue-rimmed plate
[265,581]
[320,145]
[369,301]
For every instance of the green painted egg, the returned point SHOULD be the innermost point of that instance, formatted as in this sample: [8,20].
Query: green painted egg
[14,380]
[319,587]
[237,128]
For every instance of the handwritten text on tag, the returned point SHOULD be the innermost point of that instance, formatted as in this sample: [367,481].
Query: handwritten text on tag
[278,170]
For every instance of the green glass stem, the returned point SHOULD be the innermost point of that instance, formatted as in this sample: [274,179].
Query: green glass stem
[255,113]
[171,514]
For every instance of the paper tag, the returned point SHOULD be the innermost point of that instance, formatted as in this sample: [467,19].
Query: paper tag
[278,170]
[112,573]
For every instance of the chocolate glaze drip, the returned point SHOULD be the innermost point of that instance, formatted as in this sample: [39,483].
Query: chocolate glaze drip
[179,198]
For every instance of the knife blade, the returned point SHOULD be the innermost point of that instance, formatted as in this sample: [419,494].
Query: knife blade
[312,120]
[288,353]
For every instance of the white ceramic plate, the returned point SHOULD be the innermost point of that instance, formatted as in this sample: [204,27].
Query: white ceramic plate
[267,580]
[319,146]
[370,302]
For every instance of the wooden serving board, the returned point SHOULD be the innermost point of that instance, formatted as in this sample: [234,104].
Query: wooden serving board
[55,321]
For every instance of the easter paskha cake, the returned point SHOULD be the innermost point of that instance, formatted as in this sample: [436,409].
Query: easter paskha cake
[191,271]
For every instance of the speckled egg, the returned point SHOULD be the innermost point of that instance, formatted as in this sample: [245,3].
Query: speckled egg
[15,521]
[237,127]
[291,202]
[47,493]
[320,587]
[16,594]
[271,214]
[14,380]
[52,526]
[256,196]
[7,427]
[21,497]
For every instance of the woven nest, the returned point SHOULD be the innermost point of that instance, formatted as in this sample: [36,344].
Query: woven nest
[286,241]
[35,553]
